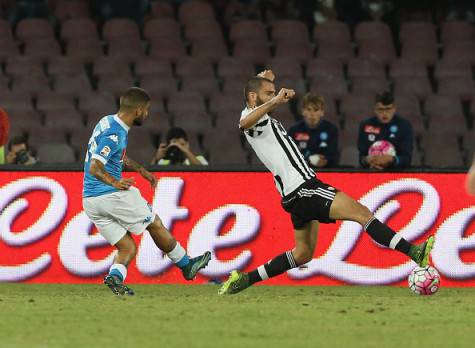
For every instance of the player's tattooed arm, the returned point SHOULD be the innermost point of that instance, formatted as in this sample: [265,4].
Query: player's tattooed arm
[131,164]
[256,114]
[98,170]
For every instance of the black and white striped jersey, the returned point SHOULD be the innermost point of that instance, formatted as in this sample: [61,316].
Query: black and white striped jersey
[278,152]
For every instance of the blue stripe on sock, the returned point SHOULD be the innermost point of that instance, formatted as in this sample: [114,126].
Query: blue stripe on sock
[185,260]
[116,272]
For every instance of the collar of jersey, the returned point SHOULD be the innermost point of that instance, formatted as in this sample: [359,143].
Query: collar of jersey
[119,121]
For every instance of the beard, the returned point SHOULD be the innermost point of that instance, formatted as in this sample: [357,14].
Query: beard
[259,101]
[138,121]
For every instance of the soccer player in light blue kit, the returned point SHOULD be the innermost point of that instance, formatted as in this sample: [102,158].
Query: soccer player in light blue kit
[115,206]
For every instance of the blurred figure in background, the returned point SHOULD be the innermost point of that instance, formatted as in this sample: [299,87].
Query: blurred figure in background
[4,129]
[316,138]
[176,150]
[19,152]
[385,140]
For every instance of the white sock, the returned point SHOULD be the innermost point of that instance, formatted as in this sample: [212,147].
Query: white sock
[118,269]
[178,255]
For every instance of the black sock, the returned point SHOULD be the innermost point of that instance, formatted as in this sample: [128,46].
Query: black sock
[382,234]
[276,266]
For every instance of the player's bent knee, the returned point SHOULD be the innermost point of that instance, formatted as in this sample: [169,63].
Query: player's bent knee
[364,214]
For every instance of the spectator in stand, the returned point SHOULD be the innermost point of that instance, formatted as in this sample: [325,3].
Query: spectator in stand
[19,152]
[176,150]
[316,138]
[4,129]
[395,132]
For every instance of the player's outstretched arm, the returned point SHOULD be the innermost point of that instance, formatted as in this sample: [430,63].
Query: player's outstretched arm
[98,170]
[256,114]
[132,165]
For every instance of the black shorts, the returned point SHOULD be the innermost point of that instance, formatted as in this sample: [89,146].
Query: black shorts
[311,201]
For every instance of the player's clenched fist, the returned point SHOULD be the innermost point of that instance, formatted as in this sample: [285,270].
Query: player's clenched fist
[284,95]
[124,183]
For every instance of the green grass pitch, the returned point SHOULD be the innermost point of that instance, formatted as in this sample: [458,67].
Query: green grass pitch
[182,316]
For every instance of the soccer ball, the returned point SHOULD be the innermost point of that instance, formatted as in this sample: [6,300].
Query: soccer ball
[382,147]
[424,280]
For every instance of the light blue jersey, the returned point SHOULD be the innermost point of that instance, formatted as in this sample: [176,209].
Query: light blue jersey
[107,145]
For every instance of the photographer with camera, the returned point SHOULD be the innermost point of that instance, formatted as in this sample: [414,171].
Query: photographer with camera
[177,150]
[19,152]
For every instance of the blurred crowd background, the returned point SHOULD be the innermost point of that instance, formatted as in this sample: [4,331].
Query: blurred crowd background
[395,73]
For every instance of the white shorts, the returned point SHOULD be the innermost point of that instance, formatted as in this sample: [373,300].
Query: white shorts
[116,213]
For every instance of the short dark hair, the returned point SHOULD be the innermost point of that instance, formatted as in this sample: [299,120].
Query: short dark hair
[253,85]
[176,133]
[385,98]
[133,98]
[19,139]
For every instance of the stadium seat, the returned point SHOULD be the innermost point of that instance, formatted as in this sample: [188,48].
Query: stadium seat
[332,85]
[232,67]
[24,119]
[5,30]
[369,85]
[79,29]
[24,65]
[153,66]
[408,106]
[451,69]
[105,65]
[74,85]
[79,141]
[115,84]
[253,51]
[332,31]
[195,121]
[166,48]
[289,30]
[193,10]
[372,31]
[65,65]
[285,67]
[120,28]
[8,48]
[325,68]
[85,49]
[349,156]
[460,51]
[203,29]
[360,67]
[462,87]
[248,30]
[356,108]
[297,84]
[336,51]
[69,120]
[445,110]
[211,49]
[161,9]
[51,153]
[204,85]
[33,29]
[159,86]
[383,52]
[140,146]
[226,155]
[67,10]
[420,52]
[162,27]
[45,135]
[419,31]
[348,137]
[95,105]
[189,66]
[49,101]
[457,31]
[181,103]
[12,101]
[403,68]
[135,49]
[441,150]
[44,49]
[417,86]
[32,84]
[300,51]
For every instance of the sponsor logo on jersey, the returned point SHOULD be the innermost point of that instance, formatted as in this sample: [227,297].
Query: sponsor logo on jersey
[105,151]
[372,129]
[114,138]
[302,136]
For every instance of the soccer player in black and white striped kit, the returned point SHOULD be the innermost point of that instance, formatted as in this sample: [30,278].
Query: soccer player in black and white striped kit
[308,200]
